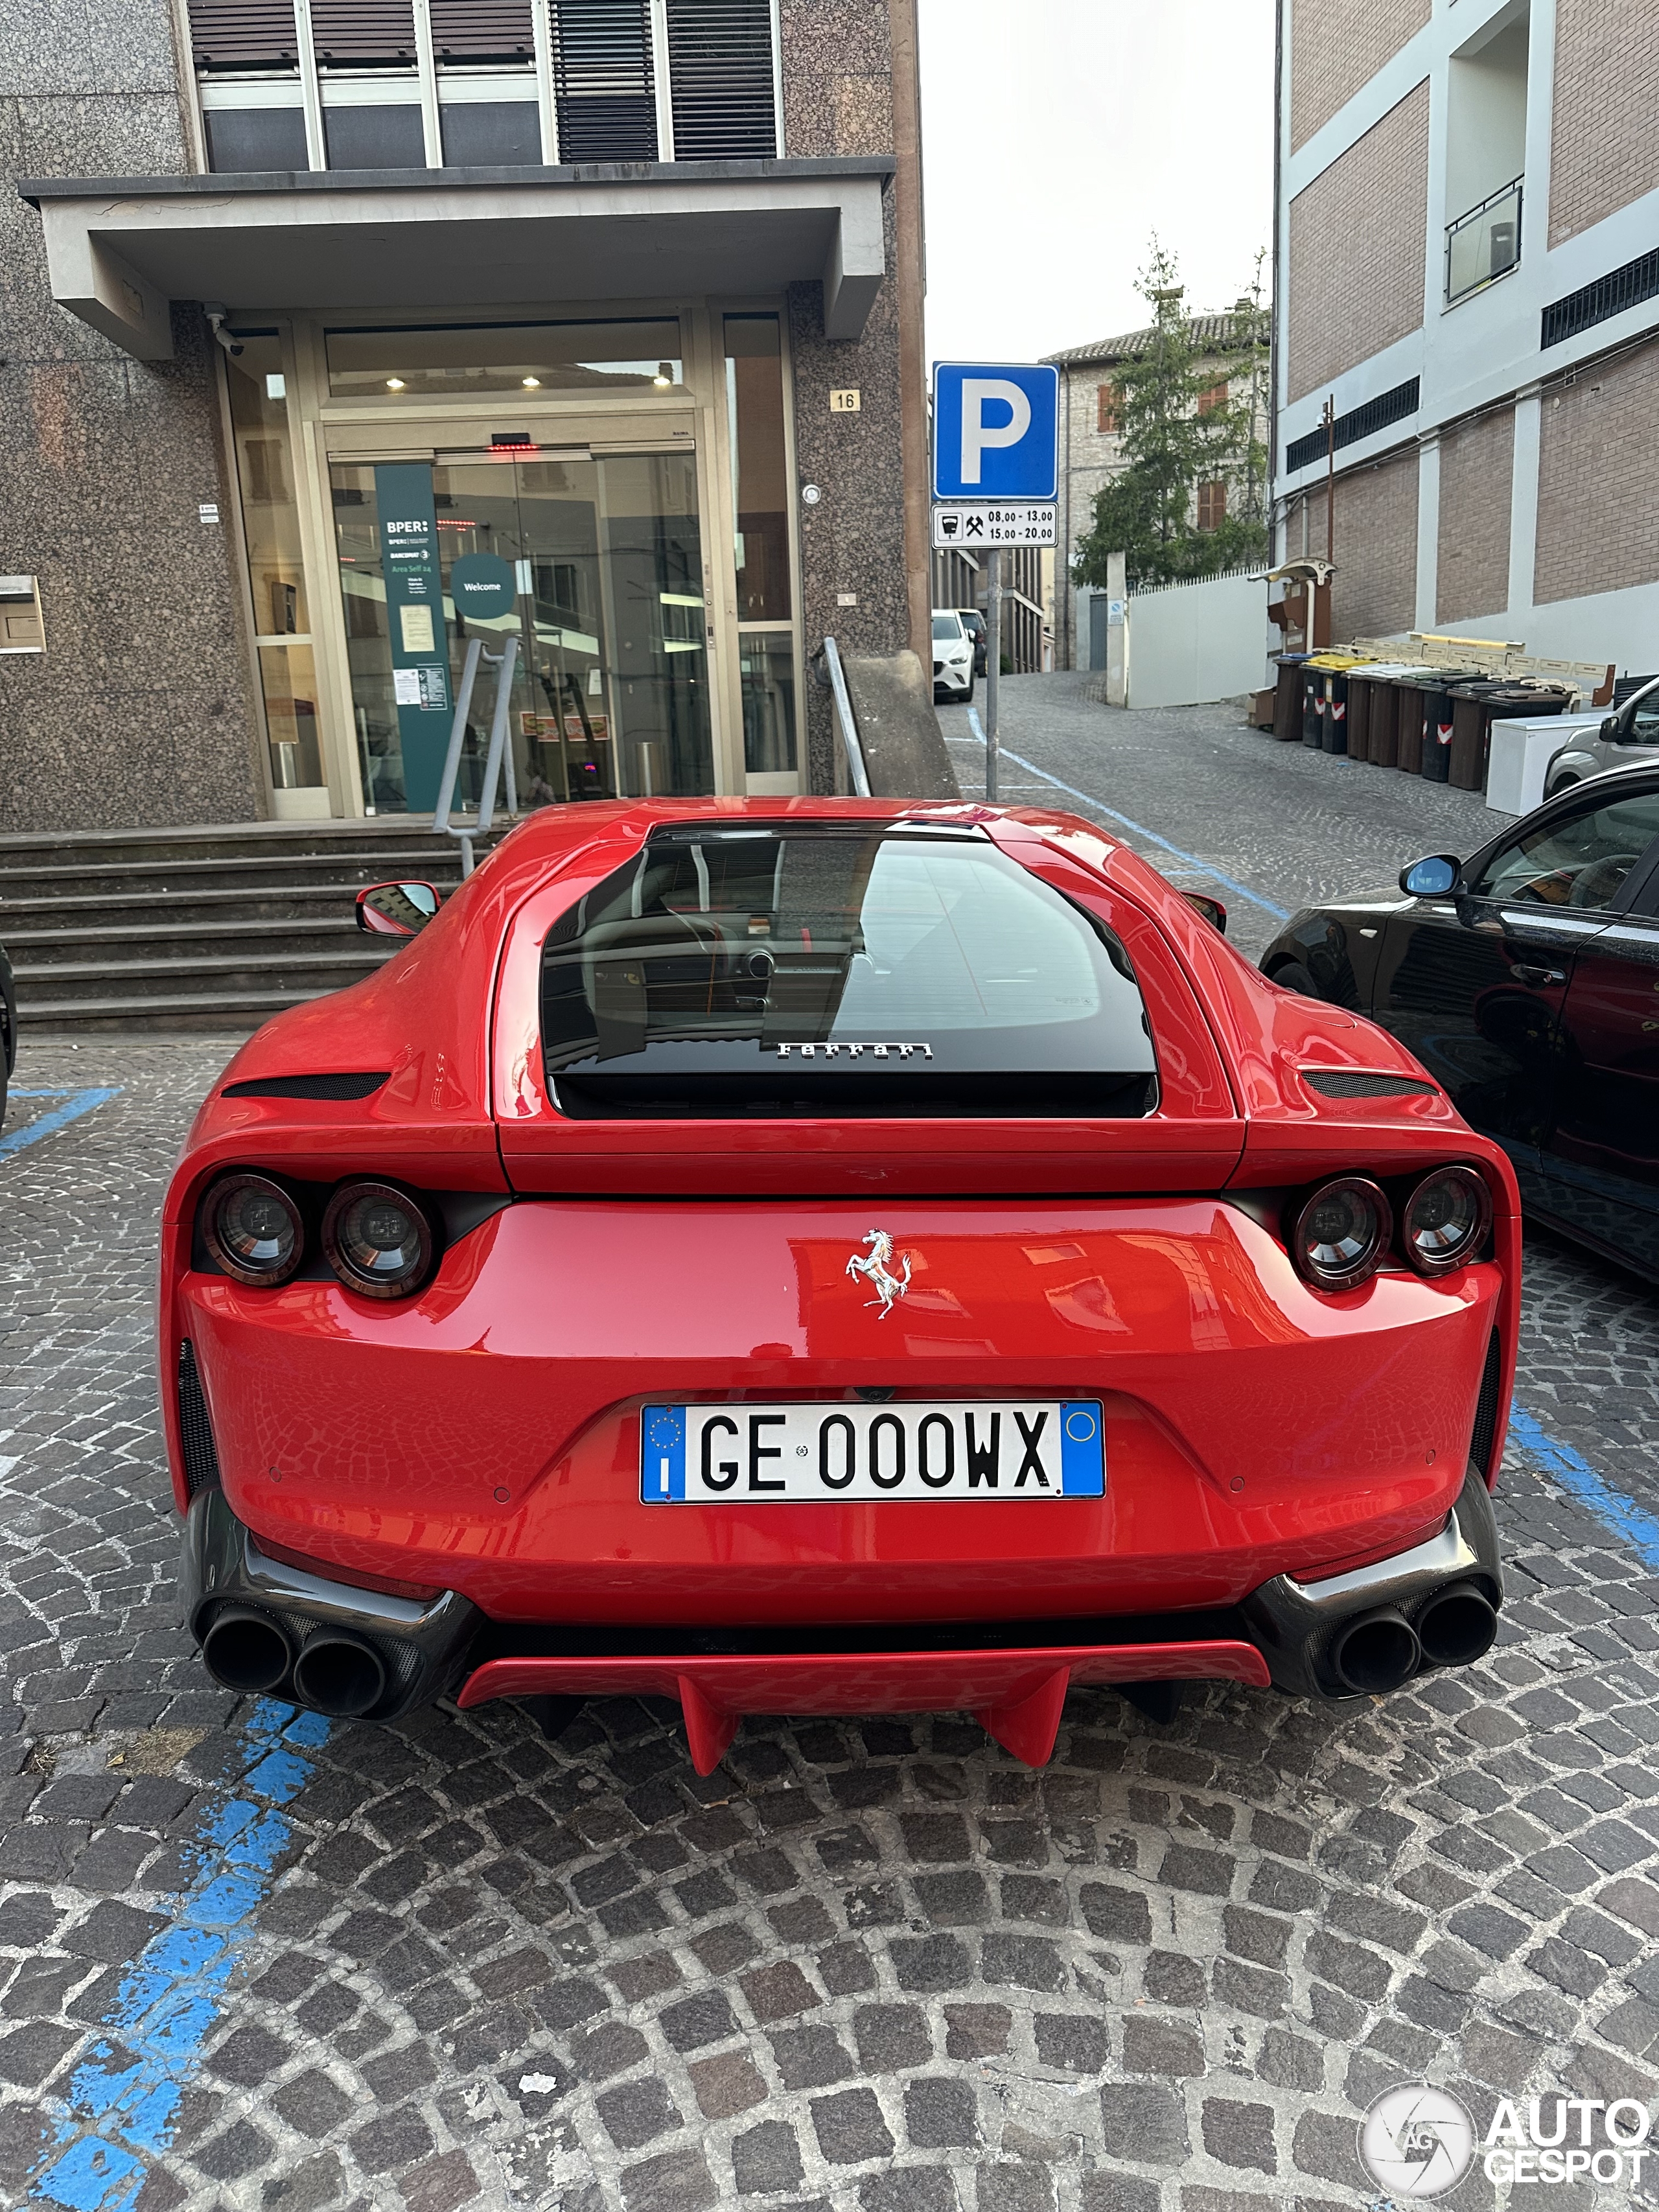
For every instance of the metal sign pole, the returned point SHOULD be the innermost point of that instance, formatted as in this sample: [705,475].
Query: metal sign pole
[993,666]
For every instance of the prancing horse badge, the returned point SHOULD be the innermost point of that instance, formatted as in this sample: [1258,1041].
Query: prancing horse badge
[875,1271]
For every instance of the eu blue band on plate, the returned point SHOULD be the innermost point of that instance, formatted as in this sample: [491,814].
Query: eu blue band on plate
[662,1463]
[1082,1449]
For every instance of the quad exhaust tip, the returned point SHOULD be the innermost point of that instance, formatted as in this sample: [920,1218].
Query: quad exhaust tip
[245,1650]
[1375,1651]
[1457,1626]
[339,1675]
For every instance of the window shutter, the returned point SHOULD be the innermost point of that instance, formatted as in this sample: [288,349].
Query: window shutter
[603,86]
[719,71]
[1108,399]
[483,30]
[1211,505]
[1216,398]
[363,33]
[241,34]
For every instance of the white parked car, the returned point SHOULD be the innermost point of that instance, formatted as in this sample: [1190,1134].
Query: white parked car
[1593,752]
[953,655]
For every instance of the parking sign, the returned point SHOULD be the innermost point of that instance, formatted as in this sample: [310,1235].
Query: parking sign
[995,430]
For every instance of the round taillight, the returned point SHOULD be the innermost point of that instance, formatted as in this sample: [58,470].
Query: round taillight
[377,1240]
[253,1230]
[1446,1220]
[1341,1233]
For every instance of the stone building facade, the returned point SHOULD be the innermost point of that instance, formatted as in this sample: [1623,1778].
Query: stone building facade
[311,304]
[1467,269]
[1091,446]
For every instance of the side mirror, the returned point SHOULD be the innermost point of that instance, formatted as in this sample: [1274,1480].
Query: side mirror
[1609,728]
[396,910]
[1212,909]
[1431,878]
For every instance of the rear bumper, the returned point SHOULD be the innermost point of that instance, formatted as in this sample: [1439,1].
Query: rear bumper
[485,1437]
[1014,1676]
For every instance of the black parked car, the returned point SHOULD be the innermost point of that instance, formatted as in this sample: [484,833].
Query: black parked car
[1525,980]
[975,623]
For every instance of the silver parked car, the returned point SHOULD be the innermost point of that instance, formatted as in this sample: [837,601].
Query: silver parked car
[1585,754]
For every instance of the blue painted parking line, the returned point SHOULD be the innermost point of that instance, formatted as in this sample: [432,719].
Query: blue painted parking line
[1618,1514]
[1135,828]
[121,2107]
[76,1103]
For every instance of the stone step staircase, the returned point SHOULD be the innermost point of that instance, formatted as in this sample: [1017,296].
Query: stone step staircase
[197,929]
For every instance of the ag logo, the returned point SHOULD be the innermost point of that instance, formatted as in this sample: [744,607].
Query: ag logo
[1416,2141]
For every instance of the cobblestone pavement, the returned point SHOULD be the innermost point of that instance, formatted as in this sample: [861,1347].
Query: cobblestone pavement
[247,1961]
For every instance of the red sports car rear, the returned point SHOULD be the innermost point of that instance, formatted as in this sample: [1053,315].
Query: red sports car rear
[827,1256]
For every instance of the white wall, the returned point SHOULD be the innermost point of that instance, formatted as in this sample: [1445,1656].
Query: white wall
[1194,643]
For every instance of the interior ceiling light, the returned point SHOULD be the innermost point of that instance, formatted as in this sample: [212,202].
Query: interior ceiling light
[665,375]
[532,383]
[394,384]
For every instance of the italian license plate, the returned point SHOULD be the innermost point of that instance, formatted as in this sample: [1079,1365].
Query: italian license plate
[797,1455]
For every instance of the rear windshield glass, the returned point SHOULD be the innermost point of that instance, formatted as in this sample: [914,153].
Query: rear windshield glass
[831,971]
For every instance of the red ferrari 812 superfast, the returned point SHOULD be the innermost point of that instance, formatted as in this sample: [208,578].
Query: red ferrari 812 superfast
[830,1256]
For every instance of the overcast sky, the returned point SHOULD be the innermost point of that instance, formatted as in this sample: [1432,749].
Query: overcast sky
[1058,135]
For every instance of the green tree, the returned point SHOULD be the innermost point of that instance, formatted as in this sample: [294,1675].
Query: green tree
[1182,430]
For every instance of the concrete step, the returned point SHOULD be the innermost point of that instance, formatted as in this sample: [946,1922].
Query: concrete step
[288,903]
[55,984]
[219,1013]
[227,841]
[38,950]
[215,928]
[134,878]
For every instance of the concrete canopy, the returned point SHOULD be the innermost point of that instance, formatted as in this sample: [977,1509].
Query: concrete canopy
[120,250]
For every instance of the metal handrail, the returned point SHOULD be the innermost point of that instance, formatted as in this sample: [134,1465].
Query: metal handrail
[498,755]
[849,728]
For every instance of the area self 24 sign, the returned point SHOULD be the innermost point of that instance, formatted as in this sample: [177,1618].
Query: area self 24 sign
[995,430]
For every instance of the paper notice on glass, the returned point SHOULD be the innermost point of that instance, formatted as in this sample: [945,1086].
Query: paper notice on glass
[417,625]
[406,684]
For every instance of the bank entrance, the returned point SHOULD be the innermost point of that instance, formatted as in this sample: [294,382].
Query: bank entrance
[594,563]
[612,495]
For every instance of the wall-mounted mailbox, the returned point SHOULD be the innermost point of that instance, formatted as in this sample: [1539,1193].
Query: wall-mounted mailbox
[22,630]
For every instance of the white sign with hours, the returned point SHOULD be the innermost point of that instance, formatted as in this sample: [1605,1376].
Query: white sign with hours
[1025,522]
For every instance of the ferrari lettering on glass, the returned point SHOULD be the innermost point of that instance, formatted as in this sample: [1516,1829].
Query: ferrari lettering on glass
[822,1255]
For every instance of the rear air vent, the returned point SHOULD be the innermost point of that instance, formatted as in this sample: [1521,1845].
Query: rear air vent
[1349,1083]
[195,1428]
[307,1086]
[720,61]
[603,85]
[243,34]
[1486,1409]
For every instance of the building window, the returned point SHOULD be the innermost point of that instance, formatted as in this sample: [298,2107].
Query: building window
[1213,401]
[1109,409]
[1211,505]
[760,468]
[767,661]
[461,358]
[719,67]
[631,81]
[603,80]
[271,531]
